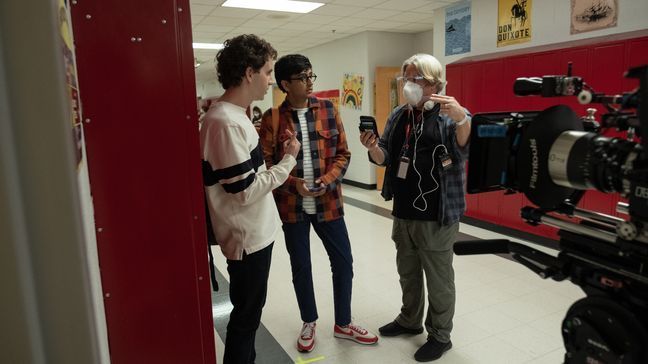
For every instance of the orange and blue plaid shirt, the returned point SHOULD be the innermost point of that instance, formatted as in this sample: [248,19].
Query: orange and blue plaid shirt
[329,152]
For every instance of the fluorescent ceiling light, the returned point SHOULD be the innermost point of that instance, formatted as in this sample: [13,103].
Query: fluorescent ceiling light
[208,46]
[276,5]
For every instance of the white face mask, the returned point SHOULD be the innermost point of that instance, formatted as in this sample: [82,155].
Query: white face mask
[413,93]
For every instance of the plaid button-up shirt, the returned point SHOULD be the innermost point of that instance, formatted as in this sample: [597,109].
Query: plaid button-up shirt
[329,152]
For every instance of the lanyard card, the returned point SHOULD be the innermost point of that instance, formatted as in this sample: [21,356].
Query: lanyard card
[403,166]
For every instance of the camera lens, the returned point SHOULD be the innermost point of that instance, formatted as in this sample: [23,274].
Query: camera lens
[582,161]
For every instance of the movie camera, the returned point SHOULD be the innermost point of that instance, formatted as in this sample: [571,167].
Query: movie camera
[553,156]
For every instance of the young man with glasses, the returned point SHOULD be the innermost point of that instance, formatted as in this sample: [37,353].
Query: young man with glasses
[312,195]
[238,185]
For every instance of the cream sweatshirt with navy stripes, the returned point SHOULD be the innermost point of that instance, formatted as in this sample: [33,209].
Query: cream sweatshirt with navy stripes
[241,206]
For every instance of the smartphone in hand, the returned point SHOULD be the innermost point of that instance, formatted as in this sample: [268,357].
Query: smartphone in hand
[316,188]
[368,123]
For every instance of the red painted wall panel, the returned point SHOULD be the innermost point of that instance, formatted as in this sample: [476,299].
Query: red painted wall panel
[137,90]
[601,64]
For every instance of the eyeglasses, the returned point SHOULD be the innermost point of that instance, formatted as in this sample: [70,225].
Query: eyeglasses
[411,79]
[304,78]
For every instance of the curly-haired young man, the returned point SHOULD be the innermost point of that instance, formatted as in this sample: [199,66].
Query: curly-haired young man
[238,186]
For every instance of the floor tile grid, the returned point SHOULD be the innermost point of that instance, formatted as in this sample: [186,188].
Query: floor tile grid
[492,291]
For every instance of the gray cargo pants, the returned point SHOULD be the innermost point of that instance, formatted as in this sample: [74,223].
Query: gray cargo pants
[426,246]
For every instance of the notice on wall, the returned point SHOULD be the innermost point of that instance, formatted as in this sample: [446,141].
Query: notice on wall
[352,88]
[457,29]
[513,22]
[588,15]
[67,49]
[331,95]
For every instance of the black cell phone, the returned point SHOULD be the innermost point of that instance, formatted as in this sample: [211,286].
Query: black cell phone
[316,188]
[368,123]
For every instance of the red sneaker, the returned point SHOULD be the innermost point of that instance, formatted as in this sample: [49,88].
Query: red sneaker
[306,340]
[355,333]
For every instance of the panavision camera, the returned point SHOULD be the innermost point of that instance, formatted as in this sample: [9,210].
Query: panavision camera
[553,156]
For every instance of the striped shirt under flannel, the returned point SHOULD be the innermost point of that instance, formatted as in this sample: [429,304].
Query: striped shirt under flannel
[453,202]
[329,152]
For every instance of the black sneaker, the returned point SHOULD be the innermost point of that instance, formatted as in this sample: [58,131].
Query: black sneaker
[394,329]
[432,350]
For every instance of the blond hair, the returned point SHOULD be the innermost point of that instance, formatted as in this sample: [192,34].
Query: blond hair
[427,66]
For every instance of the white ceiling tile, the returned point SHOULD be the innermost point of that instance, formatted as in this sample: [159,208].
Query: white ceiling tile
[201,9]
[278,16]
[432,7]
[200,37]
[207,2]
[375,13]
[365,3]
[283,32]
[403,5]
[235,12]
[247,30]
[212,28]
[298,26]
[223,21]
[266,23]
[318,19]
[337,10]
[195,19]
[352,22]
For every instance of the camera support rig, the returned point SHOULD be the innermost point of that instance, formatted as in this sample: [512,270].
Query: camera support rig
[606,256]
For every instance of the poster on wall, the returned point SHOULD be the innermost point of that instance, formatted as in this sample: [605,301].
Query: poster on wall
[588,15]
[457,29]
[67,45]
[331,95]
[352,89]
[513,22]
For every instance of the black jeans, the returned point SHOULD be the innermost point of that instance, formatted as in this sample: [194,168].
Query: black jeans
[248,291]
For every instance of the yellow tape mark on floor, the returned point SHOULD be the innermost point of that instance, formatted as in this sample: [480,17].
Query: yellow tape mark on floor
[312,360]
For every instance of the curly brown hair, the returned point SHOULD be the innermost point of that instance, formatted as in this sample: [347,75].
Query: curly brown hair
[239,53]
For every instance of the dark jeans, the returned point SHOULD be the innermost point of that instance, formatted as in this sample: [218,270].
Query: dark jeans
[336,242]
[248,290]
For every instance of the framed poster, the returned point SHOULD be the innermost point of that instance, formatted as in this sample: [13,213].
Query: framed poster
[331,95]
[588,15]
[513,22]
[457,29]
[353,88]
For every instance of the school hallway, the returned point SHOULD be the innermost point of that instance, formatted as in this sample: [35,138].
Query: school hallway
[504,312]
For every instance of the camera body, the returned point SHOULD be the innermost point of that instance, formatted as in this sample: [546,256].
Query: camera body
[553,156]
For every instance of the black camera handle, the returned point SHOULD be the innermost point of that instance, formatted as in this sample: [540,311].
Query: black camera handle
[543,264]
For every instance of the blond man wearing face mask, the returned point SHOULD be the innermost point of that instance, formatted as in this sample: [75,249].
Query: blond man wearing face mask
[424,147]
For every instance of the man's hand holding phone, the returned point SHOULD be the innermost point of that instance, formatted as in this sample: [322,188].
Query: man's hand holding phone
[315,190]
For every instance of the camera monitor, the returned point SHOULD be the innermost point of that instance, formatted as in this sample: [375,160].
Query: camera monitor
[494,140]
[513,151]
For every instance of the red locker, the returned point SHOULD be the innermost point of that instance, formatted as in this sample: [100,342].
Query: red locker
[488,79]
[137,88]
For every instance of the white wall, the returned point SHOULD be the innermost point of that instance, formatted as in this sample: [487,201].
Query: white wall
[330,61]
[213,88]
[550,24]
[424,42]
[361,54]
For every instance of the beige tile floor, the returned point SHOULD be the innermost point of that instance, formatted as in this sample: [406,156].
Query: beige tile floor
[504,313]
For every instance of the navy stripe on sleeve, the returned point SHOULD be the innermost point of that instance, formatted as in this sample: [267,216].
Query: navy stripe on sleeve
[211,176]
[239,186]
